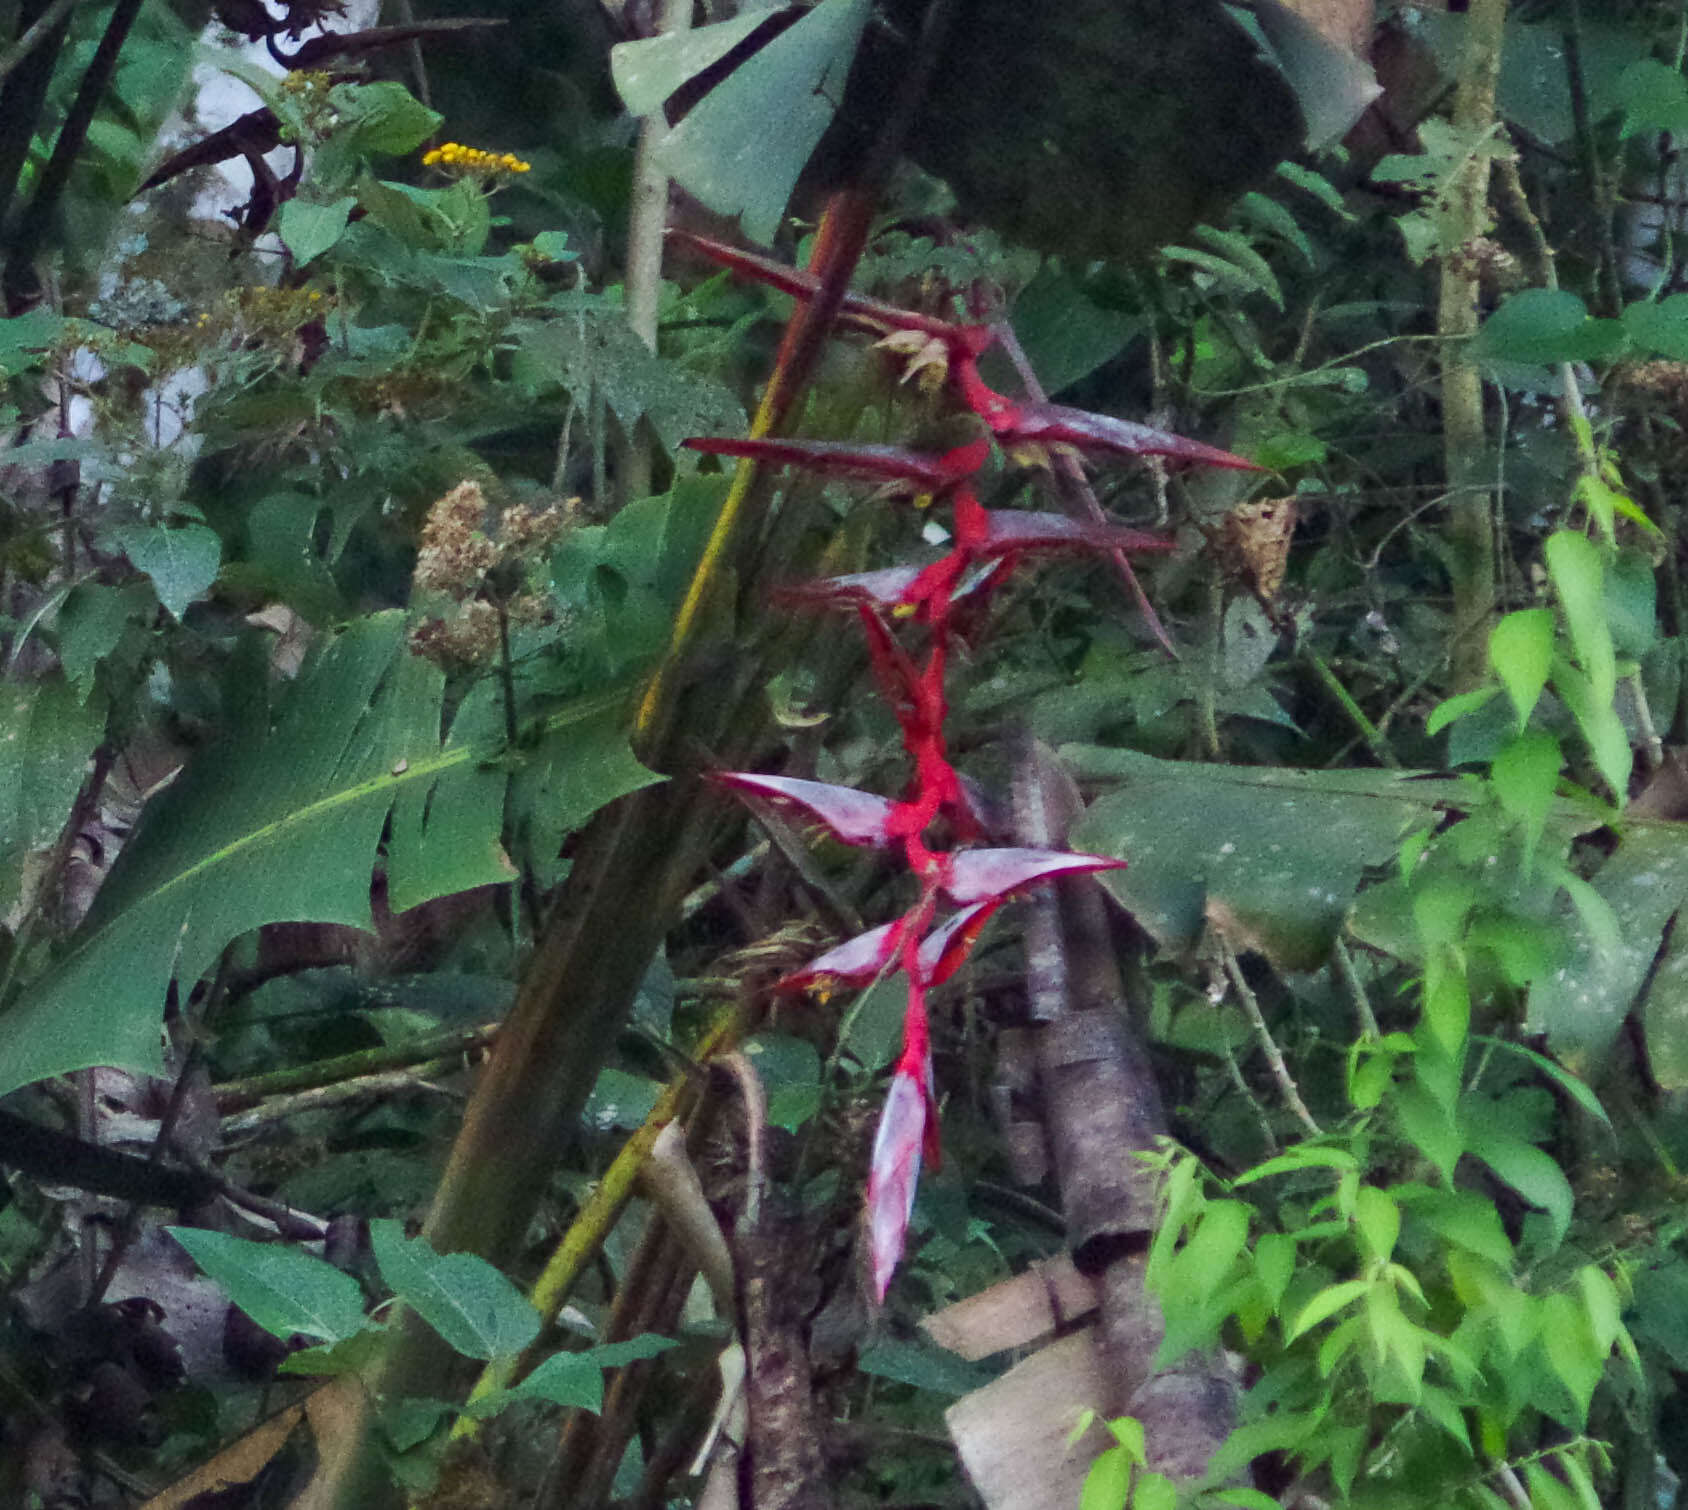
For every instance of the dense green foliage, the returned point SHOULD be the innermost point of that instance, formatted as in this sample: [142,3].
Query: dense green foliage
[339,548]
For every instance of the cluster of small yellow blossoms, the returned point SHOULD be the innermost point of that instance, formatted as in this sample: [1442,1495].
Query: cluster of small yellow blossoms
[454,157]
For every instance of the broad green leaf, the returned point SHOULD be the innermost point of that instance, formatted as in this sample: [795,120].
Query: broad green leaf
[1545,326]
[308,230]
[1660,327]
[1128,1432]
[182,561]
[646,72]
[285,1291]
[1654,96]
[1154,1491]
[575,1379]
[1632,603]
[1582,1004]
[724,153]
[1378,1219]
[1598,721]
[47,734]
[270,825]
[1427,1125]
[1578,569]
[1457,706]
[1521,652]
[1605,1310]
[460,1295]
[1065,334]
[1664,1014]
[1107,1486]
[1525,773]
[1572,1352]
[1326,1304]
[382,118]
[1530,1171]
[1462,1218]
[1274,855]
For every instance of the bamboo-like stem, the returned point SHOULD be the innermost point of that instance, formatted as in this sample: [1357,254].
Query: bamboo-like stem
[1464,218]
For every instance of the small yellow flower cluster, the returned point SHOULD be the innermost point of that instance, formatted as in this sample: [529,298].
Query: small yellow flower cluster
[454,157]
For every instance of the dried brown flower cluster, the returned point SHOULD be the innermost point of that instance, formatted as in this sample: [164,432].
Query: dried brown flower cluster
[460,561]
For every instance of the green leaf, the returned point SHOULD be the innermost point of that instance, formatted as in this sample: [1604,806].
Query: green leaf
[1302,1156]
[1659,327]
[1108,1483]
[1269,215]
[1326,1304]
[1521,652]
[383,119]
[908,1360]
[1545,326]
[269,825]
[1462,1218]
[1316,184]
[1654,97]
[1277,853]
[1457,706]
[1608,740]
[724,153]
[790,1070]
[309,230]
[182,562]
[1064,333]
[576,1379]
[1578,569]
[1154,1491]
[1572,1353]
[1428,1126]
[1128,1432]
[646,72]
[47,734]
[285,1291]
[460,1295]
[1235,248]
[1526,775]
[1577,1089]
[1533,1173]
[1378,1220]
[1632,603]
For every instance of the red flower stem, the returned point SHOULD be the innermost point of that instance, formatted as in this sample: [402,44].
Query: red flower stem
[1075,487]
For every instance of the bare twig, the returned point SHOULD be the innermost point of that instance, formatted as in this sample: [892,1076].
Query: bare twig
[1274,1055]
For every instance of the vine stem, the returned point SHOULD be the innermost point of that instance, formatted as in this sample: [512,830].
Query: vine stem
[1274,1055]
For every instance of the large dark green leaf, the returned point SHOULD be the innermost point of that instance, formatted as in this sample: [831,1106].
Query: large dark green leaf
[282,824]
[1274,855]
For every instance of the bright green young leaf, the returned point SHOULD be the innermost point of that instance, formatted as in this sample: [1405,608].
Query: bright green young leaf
[182,561]
[1460,1217]
[460,1295]
[274,824]
[1154,1491]
[1378,1220]
[1128,1432]
[1302,1156]
[1605,1309]
[723,151]
[1426,1124]
[1108,1483]
[285,1291]
[1326,1304]
[1457,706]
[1608,740]
[1577,567]
[1274,1264]
[1521,652]
[1525,773]
[1573,1354]
[308,230]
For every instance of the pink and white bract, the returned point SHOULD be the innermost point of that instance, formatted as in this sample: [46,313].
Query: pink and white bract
[899,605]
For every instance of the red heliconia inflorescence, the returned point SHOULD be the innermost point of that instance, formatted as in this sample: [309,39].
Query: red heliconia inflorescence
[971,879]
